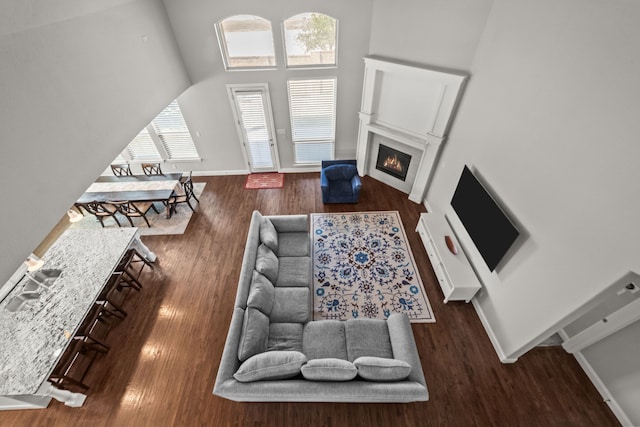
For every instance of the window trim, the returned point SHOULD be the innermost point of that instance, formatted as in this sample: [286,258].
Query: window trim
[331,140]
[163,155]
[310,66]
[224,52]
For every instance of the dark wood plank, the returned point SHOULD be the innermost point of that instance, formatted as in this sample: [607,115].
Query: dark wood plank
[165,354]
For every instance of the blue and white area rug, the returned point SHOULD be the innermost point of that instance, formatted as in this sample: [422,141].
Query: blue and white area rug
[363,268]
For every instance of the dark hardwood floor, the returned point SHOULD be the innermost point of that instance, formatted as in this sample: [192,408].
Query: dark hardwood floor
[165,354]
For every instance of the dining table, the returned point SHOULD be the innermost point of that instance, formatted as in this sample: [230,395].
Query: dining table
[35,332]
[132,188]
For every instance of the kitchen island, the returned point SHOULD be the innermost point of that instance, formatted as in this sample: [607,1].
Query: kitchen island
[34,333]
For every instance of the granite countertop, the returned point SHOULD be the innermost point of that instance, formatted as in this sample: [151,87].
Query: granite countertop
[33,338]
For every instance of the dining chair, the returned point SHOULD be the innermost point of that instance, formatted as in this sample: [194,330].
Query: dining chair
[183,195]
[184,177]
[151,169]
[135,210]
[121,169]
[101,211]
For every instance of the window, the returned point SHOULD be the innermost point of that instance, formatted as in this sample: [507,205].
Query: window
[246,41]
[172,130]
[165,138]
[310,40]
[312,107]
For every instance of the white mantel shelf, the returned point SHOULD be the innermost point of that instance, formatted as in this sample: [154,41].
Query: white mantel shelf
[411,106]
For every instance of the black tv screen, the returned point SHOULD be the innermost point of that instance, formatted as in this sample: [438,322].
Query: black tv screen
[490,229]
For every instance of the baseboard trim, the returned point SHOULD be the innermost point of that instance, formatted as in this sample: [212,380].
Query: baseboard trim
[221,173]
[492,336]
[599,384]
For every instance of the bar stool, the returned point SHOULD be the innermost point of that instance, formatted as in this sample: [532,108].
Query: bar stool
[73,366]
[94,330]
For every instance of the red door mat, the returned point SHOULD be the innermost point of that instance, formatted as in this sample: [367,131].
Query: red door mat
[258,181]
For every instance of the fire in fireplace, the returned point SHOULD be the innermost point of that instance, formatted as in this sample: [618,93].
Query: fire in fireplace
[393,162]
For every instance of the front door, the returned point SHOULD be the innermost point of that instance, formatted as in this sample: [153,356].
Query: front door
[252,110]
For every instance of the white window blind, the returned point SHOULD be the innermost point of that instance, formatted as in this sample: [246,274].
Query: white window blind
[172,131]
[167,137]
[142,147]
[312,107]
[254,122]
[246,41]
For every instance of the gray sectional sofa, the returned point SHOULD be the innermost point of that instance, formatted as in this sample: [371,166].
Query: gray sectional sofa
[275,351]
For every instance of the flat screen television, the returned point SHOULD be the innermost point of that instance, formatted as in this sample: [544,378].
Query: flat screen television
[491,230]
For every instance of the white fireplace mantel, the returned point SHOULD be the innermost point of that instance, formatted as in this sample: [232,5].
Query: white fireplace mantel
[412,106]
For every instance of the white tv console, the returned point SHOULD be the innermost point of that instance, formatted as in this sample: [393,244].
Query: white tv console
[455,275]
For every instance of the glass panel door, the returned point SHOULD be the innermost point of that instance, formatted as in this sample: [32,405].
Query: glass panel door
[254,122]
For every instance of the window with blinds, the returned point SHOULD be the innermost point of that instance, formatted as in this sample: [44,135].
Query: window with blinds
[172,131]
[167,137]
[312,108]
[142,147]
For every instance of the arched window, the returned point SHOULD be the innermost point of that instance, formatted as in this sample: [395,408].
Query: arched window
[311,39]
[246,41]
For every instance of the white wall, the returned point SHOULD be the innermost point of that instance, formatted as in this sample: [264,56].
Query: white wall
[77,82]
[615,359]
[206,106]
[439,33]
[550,122]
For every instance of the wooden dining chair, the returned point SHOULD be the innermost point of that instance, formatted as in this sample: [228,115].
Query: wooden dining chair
[101,211]
[184,177]
[135,210]
[151,169]
[183,195]
[121,169]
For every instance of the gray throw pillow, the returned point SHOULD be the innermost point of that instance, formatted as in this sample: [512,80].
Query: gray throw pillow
[255,333]
[329,370]
[272,365]
[267,263]
[261,293]
[269,234]
[382,369]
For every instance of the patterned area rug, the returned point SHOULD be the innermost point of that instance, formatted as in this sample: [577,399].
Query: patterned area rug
[363,268]
[160,225]
[259,181]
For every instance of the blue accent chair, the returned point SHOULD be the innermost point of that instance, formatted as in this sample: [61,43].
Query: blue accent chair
[339,181]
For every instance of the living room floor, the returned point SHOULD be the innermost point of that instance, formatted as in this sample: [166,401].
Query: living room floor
[164,358]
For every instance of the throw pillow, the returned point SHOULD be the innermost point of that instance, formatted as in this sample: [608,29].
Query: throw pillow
[382,369]
[329,370]
[255,333]
[272,365]
[267,263]
[261,293]
[269,234]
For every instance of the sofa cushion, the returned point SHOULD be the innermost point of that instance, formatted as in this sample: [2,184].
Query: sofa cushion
[293,271]
[324,339]
[255,331]
[294,244]
[285,336]
[267,263]
[269,234]
[382,369]
[261,293]
[291,305]
[367,337]
[272,365]
[329,370]
[340,172]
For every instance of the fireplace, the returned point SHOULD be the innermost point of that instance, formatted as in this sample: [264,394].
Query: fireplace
[393,162]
